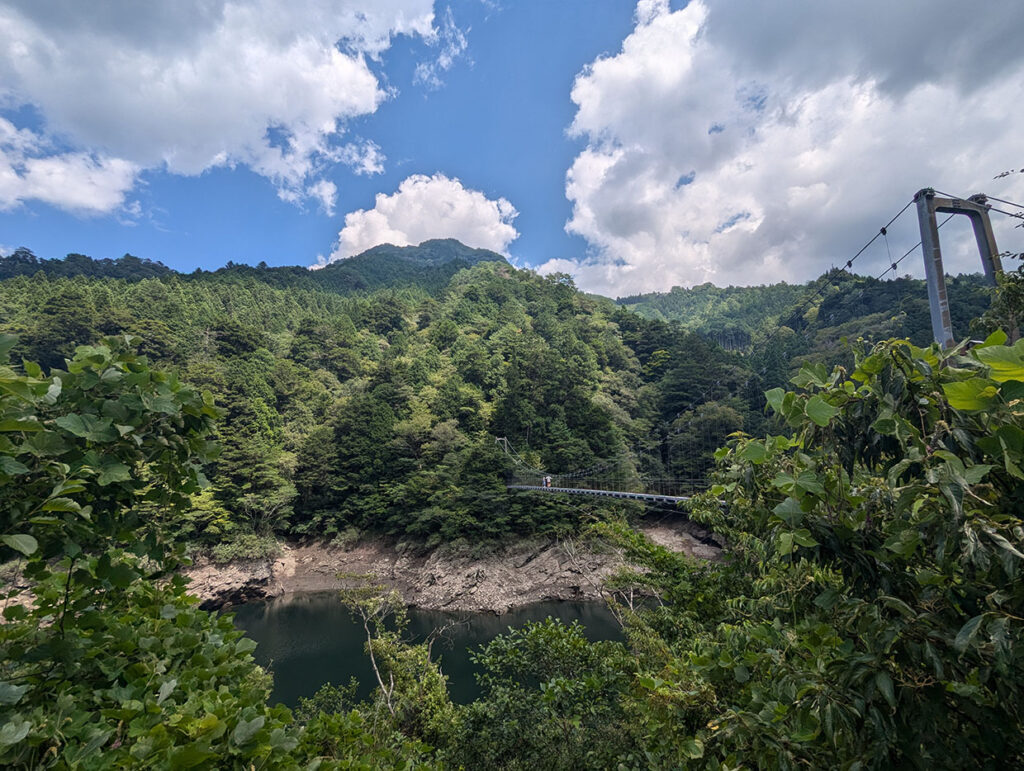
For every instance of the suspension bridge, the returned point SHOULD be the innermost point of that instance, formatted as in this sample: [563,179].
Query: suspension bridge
[672,463]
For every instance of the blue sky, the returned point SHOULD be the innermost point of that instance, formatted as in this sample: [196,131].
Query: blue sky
[635,146]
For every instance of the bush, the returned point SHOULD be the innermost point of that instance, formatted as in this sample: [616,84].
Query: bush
[247,546]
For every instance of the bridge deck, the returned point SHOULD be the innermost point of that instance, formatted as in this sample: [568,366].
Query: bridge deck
[605,493]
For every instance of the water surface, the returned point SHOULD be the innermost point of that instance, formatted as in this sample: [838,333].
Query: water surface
[309,639]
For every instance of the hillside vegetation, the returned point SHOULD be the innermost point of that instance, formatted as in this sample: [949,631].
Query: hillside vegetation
[868,616]
[377,410]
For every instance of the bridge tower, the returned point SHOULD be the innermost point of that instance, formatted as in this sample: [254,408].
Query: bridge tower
[976,208]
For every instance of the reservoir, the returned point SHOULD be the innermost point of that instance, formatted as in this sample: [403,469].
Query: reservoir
[310,639]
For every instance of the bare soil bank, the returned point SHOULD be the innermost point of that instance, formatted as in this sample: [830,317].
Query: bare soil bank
[446,578]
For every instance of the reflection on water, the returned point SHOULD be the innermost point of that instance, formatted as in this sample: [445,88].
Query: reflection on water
[309,639]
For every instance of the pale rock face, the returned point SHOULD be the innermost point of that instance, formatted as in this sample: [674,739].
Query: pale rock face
[446,578]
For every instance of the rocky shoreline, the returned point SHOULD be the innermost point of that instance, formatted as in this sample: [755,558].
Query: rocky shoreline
[446,578]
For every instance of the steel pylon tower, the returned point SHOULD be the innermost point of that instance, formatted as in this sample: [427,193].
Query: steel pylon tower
[976,208]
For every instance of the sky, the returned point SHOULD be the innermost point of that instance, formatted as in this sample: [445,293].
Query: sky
[635,146]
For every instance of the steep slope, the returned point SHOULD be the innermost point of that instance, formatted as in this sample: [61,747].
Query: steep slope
[834,305]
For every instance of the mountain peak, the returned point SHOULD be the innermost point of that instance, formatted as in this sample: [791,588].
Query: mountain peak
[434,251]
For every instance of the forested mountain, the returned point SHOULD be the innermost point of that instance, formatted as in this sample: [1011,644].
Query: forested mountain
[367,395]
[834,305]
[428,266]
[378,410]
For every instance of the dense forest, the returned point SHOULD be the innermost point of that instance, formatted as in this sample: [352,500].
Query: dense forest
[868,615]
[838,304]
[348,409]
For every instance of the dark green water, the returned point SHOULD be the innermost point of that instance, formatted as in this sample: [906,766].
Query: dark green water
[307,640]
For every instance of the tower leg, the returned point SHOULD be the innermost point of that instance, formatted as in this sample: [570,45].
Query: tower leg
[938,302]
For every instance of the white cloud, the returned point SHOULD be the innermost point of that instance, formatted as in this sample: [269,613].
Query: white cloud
[428,207]
[363,157]
[739,144]
[80,182]
[452,42]
[193,84]
[326,193]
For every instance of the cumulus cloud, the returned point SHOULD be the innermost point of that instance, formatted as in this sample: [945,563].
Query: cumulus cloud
[428,207]
[737,143]
[187,85]
[80,182]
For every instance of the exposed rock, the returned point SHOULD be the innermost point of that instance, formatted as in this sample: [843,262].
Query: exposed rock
[446,578]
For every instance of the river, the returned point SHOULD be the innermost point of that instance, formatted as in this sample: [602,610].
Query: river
[310,639]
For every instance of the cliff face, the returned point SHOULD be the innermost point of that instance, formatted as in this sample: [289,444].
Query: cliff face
[446,578]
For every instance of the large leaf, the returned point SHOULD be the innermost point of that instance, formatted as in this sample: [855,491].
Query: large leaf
[22,542]
[246,730]
[114,472]
[11,693]
[88,427]
[967,633]
[21,424]
[1005,363]
[973,394]
[820,411]
[14,731]
[12,467]
[774,398]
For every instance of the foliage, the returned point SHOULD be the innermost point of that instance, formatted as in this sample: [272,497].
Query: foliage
[412,693]
[109,664]
[837,304]
[873,577]
[245,546]
[551,699]
[1007,311]
[378,410]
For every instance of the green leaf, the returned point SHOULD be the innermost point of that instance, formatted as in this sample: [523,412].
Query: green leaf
[884,684]
[190,756]
[1005,363]
[21,424]
[122,576]
[10,693]
[786,544]
[88,427]
[754,452]
[245,645]
[967,632]
[804,538]
[246,730]
[166,690]
[1005,544]
[14,731]
[61,504]
[820,411]
[996,338]
[974,474]
[774,398]
[11,467]
[1012,390]
[789,511]
[973,394]
[693,748]
[7,342]
[22,542]
[114,472]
